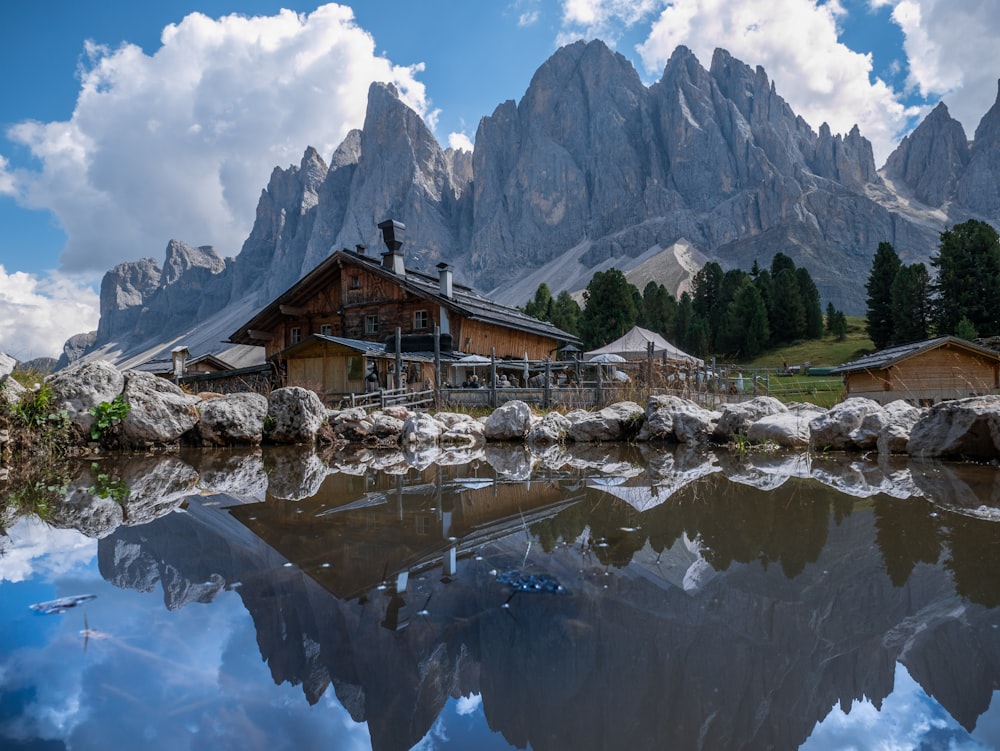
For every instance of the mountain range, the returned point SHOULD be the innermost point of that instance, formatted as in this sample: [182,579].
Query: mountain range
[591,169]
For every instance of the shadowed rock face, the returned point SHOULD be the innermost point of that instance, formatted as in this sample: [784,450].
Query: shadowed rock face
[590,164]
[729,618]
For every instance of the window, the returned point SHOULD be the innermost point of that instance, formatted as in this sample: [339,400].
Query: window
[295,335]
[355,281]
[371,324]
[420,319]
[326,329]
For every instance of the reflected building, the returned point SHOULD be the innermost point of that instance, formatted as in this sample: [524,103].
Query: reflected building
[722,616]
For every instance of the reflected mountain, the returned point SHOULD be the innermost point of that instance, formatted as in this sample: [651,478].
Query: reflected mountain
[700,611]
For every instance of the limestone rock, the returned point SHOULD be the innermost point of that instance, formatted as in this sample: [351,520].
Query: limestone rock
[11,391]
[7,364]
[551,428]
[233,419]
[295,414]
[615,422]
[786,429]
[294,474]
[895,433]
[959,429]
[930,160]
[837,428]
[159,412]
[511,421]
[736,418]
[421,429]
[79,388]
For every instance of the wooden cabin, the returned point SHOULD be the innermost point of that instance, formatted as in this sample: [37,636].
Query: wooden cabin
[924,373]
[352,303]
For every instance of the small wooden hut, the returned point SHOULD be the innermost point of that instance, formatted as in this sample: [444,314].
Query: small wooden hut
[924,373]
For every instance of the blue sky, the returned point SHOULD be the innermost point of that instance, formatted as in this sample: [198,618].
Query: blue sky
[124,125]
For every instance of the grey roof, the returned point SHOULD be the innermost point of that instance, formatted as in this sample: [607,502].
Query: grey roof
[890,356]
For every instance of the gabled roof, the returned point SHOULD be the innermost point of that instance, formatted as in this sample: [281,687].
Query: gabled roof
[161,365]
[885,358]
[464,300]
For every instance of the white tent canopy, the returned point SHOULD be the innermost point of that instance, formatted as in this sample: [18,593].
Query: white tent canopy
[634,345]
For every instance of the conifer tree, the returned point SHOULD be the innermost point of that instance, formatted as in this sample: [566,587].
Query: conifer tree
[968,277]
[879,323]
[910,314]
[610,308]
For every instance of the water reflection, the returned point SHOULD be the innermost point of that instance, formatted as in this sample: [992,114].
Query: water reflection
[707,601]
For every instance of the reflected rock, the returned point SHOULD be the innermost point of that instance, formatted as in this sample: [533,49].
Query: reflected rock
[511,421]
[469,434]
[421,429]
[863,479]
[551,457]
[511,461]
[79,387]
[786,429]
[160,413]
[764,472]
[90,507]
[736,419]
[420,456]
[895,433]
[553,427]
[458,455]
[616,422]
[972,489]
[233,419]
[157,485]
[296,414]
[854,423]
[293,474]
[963,428]
[390,461]
[237,474]
[350,459]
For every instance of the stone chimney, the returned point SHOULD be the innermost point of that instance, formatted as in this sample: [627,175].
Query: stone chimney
[360,249]
[392,236]
[445,279]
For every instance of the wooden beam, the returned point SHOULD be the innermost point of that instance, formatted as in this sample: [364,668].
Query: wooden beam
[292,310]
[264,336]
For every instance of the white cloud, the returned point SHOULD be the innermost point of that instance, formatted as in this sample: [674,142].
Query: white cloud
[178,144]
[6,178]
[460,141]
[603,19]
[39,313]
[38,549]
[796,42]
[951,49]
[467,705]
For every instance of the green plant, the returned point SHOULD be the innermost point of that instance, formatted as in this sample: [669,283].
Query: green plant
[105,486]
[107,415]
[35,407]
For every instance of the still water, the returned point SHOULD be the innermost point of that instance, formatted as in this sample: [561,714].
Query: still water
[604,598]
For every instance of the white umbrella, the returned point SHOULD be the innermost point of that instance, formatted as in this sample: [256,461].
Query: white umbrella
[608,357]
[473,360]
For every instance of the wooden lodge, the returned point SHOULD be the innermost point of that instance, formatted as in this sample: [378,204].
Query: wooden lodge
[924,373]
[334,330]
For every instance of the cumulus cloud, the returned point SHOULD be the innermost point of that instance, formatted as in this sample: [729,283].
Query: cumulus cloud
[604,19]
[178,144]
[951,48]
[796,42]
[460,141]
[39,313]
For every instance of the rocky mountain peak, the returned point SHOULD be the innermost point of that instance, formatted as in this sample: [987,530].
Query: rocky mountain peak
[979,186]
[180,257]
[930,160]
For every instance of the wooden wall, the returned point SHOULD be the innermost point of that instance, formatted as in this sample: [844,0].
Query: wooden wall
[928,378]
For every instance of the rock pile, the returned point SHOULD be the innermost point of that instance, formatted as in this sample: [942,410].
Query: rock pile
[162,414]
